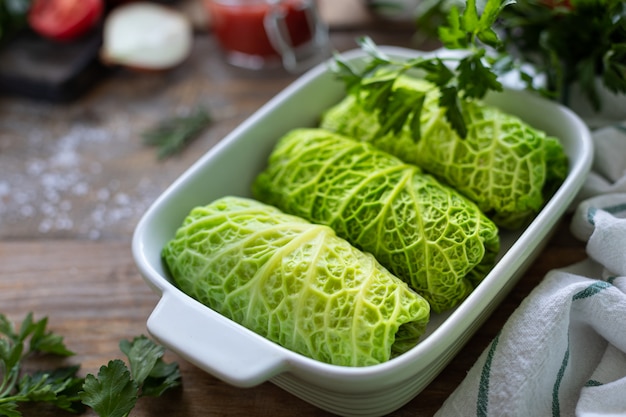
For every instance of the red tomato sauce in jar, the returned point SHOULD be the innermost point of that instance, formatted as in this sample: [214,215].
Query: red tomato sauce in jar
[239,25]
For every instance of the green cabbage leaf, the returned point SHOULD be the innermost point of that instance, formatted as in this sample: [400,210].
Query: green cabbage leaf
[295,283]
[503,164]
[424,232]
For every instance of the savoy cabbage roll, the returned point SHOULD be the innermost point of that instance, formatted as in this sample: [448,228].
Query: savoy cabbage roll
[296,283]
[503,164]
[424,232]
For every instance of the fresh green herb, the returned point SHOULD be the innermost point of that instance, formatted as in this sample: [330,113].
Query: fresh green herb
[173,134]
[12,16]
[570,42]
[564,43]
[472,77]
[58,387]
[430,15]
[113,392]
[116,389]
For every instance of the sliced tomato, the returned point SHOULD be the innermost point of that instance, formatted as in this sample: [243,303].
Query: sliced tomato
[64,19]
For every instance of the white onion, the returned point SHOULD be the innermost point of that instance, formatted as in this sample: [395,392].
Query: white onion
[146,36]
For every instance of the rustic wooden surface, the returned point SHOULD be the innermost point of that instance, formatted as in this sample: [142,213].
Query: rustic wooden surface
[75,179]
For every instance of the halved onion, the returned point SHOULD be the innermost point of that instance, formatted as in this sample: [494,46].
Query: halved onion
[146,36]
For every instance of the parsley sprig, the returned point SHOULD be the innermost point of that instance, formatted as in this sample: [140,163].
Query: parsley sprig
[113,393]
[171,135]
[570,42]
[58,387]
[116,389]
[472,76]
[554,45]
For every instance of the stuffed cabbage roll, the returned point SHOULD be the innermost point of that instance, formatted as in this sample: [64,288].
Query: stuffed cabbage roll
[295,283]
[425,233]
[504,165]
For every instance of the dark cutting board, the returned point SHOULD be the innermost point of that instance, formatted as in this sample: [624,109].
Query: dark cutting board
[39,68]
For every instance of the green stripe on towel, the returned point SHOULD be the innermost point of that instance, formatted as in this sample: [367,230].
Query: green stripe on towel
[594,288]
[621,128]
[556,406]
[483,388]
[593,383]
[589,291]
[616,209]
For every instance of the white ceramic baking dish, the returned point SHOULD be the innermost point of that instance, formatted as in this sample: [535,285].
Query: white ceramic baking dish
[241,357]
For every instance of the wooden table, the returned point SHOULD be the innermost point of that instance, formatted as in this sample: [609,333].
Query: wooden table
[75,179]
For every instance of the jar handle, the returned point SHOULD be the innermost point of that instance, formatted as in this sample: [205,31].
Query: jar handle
[275,23]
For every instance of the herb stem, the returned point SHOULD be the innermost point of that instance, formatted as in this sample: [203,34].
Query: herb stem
[171,135]
[8,383]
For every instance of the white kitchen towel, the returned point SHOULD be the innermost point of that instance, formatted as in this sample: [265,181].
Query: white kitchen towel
[563,351]
[608,173]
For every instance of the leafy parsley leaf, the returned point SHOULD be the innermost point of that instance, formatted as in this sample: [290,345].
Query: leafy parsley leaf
[116,389]
[161,378]
[148,368]
[475,79]
[614,62]
[9,409]
[453,36]
[112,393]
[58,387]
[450,101]
[143,355]
[344,71]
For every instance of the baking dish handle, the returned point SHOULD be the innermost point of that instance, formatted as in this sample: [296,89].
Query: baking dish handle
[214,343]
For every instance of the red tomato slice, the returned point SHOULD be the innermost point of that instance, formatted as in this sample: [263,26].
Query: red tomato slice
[64,19]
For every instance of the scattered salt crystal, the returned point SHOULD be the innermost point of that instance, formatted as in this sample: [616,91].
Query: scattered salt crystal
[63,223]
[27,211]
[117,214]
[22,197]
[48,209]
[46,225]
[44,186]
[51,195]
[103,194]
[65,159]
[65,205]
[122,199]
[35,167]
[114,185]
[80,188]
[95,168]
[5,188]
[98,214]
[94,234]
